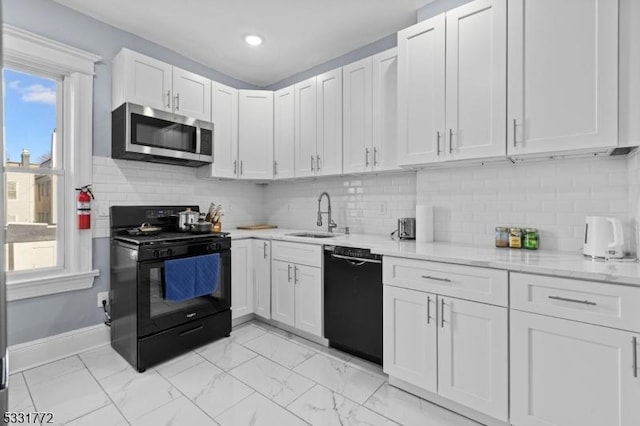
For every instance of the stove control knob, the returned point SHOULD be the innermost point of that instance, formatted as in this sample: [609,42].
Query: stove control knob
[169,252]
[213,247]
[156,253]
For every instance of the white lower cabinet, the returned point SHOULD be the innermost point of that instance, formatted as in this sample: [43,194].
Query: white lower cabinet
[262,278]
[296,291]
[567,373]
[241,278]
[455,348]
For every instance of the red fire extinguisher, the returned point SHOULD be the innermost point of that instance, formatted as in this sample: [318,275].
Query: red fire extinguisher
[84,207]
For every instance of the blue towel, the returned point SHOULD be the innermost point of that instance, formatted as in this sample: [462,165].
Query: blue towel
[191,277]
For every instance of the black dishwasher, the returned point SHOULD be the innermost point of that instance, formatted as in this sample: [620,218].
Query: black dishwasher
[353,301]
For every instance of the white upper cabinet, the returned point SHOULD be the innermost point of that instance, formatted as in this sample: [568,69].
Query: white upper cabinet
[192,94]
[225,132]
[358,116]
[452,85]
[255,134]
[283,133]
[329,123]
[385,110]
[370,99]
[476,76]
[563,81]
[305,127]
[149,82]
[421,92]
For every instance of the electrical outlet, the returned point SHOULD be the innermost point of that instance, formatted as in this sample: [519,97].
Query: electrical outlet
[104,295]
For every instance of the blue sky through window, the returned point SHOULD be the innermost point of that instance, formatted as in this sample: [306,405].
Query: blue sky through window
[29,114]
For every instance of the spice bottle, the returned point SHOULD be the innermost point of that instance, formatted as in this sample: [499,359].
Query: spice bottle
[531,239]
[502,236]
[515,238]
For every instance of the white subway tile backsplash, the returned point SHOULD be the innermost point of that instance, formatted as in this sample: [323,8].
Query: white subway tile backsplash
[553,196]
[123,182]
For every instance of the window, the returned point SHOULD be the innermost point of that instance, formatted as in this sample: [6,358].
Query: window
[31,106]
[12,190]
[48,104]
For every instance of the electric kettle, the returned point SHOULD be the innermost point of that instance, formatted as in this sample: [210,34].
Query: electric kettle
[603,238]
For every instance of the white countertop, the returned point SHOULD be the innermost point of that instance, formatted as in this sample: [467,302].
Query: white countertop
[557,263]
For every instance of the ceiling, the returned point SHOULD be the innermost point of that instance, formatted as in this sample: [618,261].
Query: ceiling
[298,34]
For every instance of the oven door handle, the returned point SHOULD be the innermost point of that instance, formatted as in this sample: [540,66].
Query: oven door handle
[193,330]
[356,260]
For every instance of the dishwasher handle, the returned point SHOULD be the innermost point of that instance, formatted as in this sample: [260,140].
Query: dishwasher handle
[359,261]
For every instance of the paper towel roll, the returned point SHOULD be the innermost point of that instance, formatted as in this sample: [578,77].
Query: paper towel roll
[424,223]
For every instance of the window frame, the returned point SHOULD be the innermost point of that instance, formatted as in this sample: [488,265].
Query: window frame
[29,52]
[15,190]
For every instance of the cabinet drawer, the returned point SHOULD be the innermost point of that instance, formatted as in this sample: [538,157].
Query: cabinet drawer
[598,303]
[303,254]
[466,282]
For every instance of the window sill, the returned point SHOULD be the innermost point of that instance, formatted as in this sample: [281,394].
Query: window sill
[25,289]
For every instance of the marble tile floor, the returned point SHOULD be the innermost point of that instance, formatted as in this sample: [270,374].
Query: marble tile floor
[258,376]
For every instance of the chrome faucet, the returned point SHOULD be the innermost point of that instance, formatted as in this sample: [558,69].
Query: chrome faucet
[331,223]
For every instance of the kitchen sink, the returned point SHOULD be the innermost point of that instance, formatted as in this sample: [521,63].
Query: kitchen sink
[312,235]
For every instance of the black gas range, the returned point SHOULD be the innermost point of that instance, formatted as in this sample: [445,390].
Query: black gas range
[158,310]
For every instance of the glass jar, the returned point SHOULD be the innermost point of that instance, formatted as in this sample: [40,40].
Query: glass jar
[502,236]
[515,237]
[531,239]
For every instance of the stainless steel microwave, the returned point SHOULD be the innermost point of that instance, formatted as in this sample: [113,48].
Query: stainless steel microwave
[147,134]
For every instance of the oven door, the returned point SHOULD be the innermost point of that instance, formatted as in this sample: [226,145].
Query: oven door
[155,313]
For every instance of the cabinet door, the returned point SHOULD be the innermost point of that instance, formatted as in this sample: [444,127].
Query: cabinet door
[570,373]
[473,355]
[476,80]
[329,123]
[147,81]
[409,336]
[241,278]
[563,81]
[305,127]
[283,133]
[421,92]
[255,134]
[385,110]
[308,299]
[262,278]
[225,128]
[191,95]
[357,100]
[282,292]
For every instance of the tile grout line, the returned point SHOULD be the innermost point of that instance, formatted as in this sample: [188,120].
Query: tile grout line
[103,390]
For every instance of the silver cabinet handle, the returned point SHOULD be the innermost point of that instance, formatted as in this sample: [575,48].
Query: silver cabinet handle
[428,309]
[288,273]
[235,167]
[450,141]
[295,274]
[169,99]
[565,299]
[515,142]
[442,313]
[241,164]
[177,101]
[312,164]
[438,143]
[375,156]
[318,163]
[429,277]
[264,250]
[275,167]
[635,357]
[366,157]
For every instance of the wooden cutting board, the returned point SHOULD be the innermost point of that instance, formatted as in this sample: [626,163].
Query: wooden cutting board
[256,227]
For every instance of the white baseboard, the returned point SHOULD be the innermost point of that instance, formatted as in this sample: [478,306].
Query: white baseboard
[42,351]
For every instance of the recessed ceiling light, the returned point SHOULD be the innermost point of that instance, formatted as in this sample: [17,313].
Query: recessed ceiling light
[253,40]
